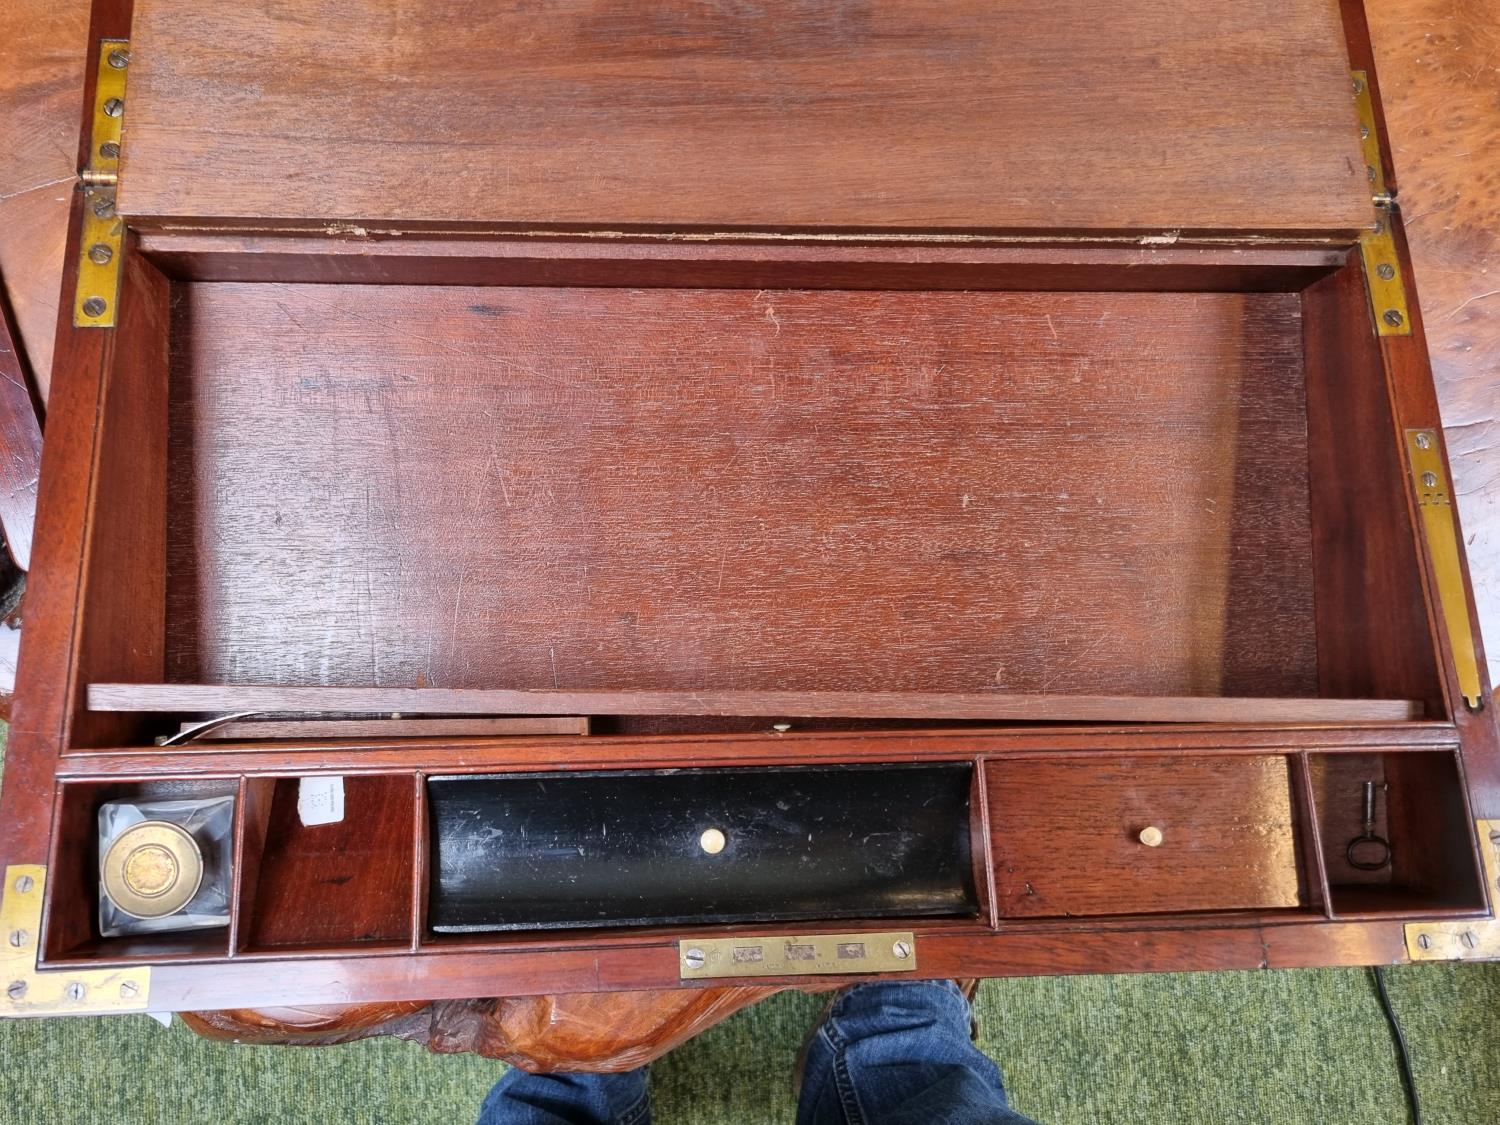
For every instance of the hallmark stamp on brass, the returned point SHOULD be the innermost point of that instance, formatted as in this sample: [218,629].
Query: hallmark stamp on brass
[797,955]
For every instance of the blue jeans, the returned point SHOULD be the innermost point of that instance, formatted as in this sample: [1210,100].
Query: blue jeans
[888,1053]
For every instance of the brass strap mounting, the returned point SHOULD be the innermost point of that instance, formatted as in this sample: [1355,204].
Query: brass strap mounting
[1435,502]
[29,991]
[103,235]
[1377,247]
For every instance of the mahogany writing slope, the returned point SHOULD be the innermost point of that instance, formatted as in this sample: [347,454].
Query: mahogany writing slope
[636,496]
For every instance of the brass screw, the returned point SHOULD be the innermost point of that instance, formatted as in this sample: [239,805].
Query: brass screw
[1429,480]
[1364,130]
[1369,168]
[16,989]
[24,884]
[19,938]
[76,991]
[901,950]
[1359,85]
[1424,941]
[129,990]
[114,107]
[1386,270]
[1394,318]
[694,958]
[1424,441]
[119,58]
[109,149]
[1469,938]
[105,208]
[94,306]
[99,253]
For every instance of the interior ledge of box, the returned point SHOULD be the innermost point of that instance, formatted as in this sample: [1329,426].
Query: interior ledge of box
[993,706]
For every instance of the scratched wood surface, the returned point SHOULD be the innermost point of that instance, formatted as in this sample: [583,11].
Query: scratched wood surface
[668,489]
[1138,115]
[41,100]
[1439,65]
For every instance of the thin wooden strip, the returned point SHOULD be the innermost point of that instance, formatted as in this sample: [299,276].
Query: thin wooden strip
[793,704]
[393,728]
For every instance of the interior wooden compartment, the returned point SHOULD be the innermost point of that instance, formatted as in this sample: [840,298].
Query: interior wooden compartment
[1066,490]
[1421,810]
[1067,836]
[71,924]
[348,884]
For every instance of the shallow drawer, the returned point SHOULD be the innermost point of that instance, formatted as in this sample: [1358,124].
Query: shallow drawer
[1133,836]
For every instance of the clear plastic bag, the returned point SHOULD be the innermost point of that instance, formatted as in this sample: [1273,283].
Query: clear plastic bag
[210,822]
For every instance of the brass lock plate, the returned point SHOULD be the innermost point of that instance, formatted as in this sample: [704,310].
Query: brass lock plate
[797,955]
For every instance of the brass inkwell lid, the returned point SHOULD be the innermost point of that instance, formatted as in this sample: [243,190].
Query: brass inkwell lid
[152,869]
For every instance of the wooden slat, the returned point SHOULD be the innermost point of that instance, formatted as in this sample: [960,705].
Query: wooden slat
[1136,115]
[393,728]
[794,704]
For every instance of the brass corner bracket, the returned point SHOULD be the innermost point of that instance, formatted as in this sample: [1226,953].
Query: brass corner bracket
[103,232]
[1474,940]
[1377,246]
[29,991]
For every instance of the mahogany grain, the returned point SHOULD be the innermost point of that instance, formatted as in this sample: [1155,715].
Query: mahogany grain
[1145,54]
[774,490]
[915,114]
[41,99]
[1439,64]
[1067,836]
[345,883]
[20,447]
[992,706]
[125,581]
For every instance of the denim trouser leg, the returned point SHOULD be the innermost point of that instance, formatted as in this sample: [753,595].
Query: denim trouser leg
[899,1053]
[889,1053]
[568,1099]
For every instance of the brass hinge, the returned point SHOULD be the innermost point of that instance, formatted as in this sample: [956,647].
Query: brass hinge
[1477,940]
[98,292]
[1377,247]
[796,955]
[30,991]
[1435,502]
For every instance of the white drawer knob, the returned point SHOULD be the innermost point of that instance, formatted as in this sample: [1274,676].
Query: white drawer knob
[1151,836]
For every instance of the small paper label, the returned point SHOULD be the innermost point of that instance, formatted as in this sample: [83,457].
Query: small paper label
[320,800]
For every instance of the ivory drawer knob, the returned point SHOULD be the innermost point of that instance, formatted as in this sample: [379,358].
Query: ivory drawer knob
[1151,836]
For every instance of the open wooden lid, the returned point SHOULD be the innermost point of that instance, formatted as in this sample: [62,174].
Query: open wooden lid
[1137,117]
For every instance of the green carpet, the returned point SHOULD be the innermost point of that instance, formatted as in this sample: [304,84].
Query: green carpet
[1275,1047]
[1195,1048]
